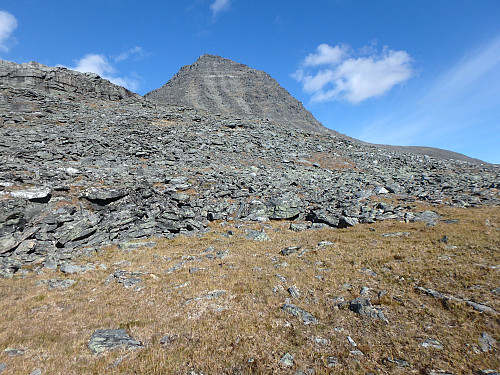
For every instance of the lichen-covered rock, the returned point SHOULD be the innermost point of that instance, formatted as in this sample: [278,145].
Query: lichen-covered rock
[363,306]
[306,317]
[104,340]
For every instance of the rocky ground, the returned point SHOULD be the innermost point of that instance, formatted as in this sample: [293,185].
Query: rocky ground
[81,170]
[384,298]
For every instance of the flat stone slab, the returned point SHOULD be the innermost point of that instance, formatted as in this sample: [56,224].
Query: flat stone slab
[104,340]
[57,283]
[33,193]
[306,317]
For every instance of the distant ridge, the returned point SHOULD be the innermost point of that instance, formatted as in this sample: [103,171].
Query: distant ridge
[223,86]
[59,80]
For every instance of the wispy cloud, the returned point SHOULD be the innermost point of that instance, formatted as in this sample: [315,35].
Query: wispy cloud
[218,6]
[104,67]
[135,51]
[458,108]
[340,73]
[8,23]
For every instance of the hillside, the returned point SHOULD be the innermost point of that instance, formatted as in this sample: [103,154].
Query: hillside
[120,212]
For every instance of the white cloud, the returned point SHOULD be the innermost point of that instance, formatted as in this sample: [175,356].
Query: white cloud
[219,5]
[326,54]
[100,65]
[344,75]
[8,23]
[127,54]
[458,109]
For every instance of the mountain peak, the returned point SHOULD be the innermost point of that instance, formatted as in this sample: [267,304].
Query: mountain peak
[224,86]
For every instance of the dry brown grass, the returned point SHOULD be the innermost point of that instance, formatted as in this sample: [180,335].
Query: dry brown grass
[245,330]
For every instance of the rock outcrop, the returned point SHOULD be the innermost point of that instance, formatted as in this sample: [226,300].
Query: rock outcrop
[56,80]
[223,86]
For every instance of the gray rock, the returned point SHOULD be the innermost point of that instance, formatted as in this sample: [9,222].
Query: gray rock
[428,217]
[11,352]
[396,234]
[294,292]
[397,361]
[298,227]
[290,250]
[3,366]
[364,307]
[75,268]
[257,235]
[287,360]
[285,207]
[104,340]
[57,283]
[132,245]
[168,339]
[129,279]
[40,193]
[306,317]
[431,343]
[486,342]
[332,361]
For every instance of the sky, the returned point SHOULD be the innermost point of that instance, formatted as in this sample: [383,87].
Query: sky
[412,72]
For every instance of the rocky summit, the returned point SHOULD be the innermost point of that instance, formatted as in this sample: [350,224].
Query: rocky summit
[223,86]
[85,163]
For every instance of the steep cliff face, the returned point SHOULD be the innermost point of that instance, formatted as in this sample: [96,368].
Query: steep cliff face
[56,80]
[223,86]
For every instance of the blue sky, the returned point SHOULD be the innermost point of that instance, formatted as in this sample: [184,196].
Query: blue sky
[413,72]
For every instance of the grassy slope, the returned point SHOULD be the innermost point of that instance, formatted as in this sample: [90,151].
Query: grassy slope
[245,329]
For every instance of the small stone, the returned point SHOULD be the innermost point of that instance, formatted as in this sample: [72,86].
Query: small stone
[74,268]
[321,341]
[280,278]
[444,239]
[357,352]
[287,360]
[3,366]
[11,352]
[325,243]
[50,265]
[36,372]
[168,339]
[363,306]
[57,283]
[432,343]
[293,291]
[368,272]
[396,234]
[305,316]
[289,250]
[397,361]
[486,342]
[257,235]
[298,227]
[332,361]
